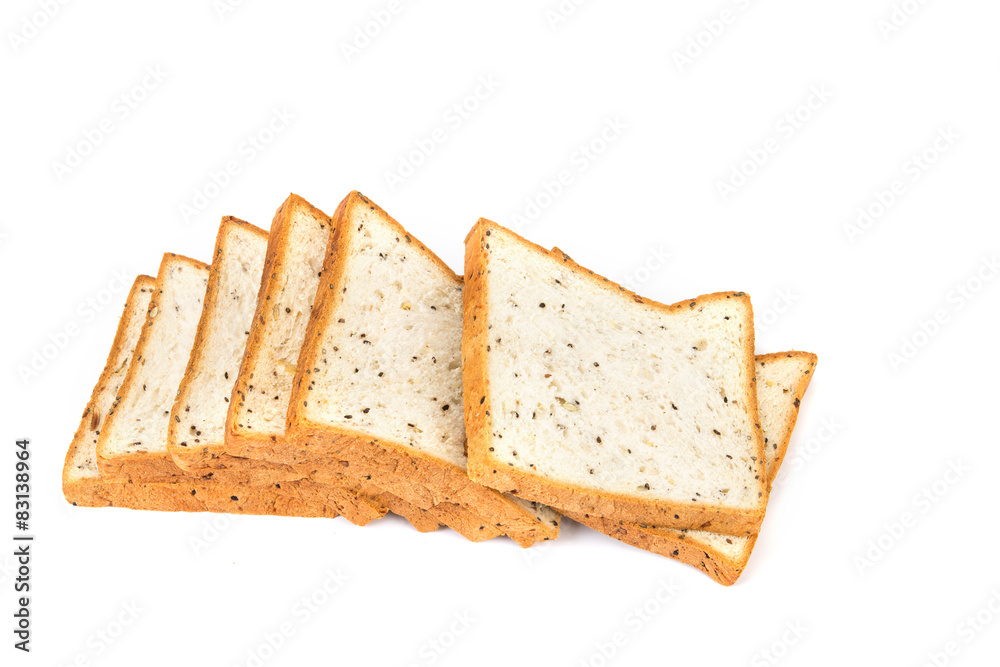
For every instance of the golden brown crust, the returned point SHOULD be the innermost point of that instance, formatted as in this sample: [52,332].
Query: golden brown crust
[485,468]
[689,547]
[673,544]
[240,441]
[251,452]
[135,470]
[188,459]
[85,491]
[113,464]
[800,391]
[415,476]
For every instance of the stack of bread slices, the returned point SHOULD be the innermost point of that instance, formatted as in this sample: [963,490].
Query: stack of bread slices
[337,367]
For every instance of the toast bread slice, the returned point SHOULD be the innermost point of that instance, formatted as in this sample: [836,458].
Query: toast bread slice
[386,331]
[82,484]
[133,441]
[782,378]
[256,399]
[132,446]
[568,376]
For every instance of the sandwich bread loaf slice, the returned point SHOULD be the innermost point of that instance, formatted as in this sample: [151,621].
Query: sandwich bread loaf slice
[782,380]
[133,441]
[81,475]
[197,421]
[83,484]
[259,383]
[586,397]
[195,437]
[378,383]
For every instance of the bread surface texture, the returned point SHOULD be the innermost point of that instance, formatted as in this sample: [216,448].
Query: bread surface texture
[255,423]
[81,475]
[133,441]
[783,379]
[132,447]
[379,380]
[198,418]
[582,395]
[300,234]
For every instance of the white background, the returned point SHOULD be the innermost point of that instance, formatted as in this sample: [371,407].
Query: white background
[892,429]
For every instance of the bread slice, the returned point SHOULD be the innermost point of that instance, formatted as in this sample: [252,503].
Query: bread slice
[584,396]
[256,399]
[197,422]
[378,384]
[196,439]
[83,484]
[133,441]
[782,377]
[782,380]
[81,475]
[132,446]
[255,420]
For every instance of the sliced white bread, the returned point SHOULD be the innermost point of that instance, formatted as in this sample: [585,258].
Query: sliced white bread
[83,484]
[257,397]
[781,377]
[133,441]
[197,421]
[782,380]
[255,423]
[378,384]
[81,475]
[582,395]
[196,439]
[132,448]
